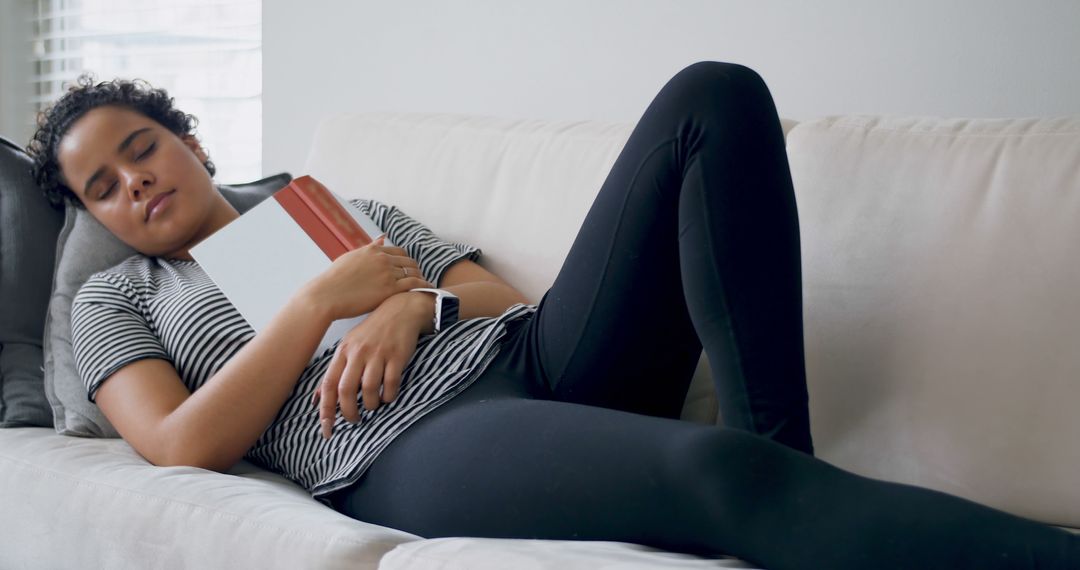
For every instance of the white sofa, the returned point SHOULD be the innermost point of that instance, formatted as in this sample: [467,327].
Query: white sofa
[939,275]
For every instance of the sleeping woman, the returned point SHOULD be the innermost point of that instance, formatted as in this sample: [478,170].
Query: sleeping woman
[556,420]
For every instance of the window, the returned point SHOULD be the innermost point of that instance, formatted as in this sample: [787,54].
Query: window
[206,53]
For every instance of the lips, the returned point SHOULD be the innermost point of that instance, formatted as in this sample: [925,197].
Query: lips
[154,202]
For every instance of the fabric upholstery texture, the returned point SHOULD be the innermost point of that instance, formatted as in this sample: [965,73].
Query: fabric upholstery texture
[96,503]
[940,298]
[902,221]
[459,553]
[28,229]
[85,247]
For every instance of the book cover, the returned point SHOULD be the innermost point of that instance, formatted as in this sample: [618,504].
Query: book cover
[262,258]
[326,221]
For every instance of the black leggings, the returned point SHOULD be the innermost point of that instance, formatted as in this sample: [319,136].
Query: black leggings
[573,431]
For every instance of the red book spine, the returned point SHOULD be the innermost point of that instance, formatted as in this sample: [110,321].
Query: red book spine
[321,216]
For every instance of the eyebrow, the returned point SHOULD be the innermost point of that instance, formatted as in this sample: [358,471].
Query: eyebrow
[123,145]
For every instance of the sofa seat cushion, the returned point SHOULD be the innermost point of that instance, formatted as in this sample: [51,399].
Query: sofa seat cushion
[525,554]
[98,502]
[530,554]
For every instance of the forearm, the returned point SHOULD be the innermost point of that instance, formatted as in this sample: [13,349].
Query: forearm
[220,421]
[476,299]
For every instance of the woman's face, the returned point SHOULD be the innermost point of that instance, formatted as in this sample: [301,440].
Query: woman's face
[117,161]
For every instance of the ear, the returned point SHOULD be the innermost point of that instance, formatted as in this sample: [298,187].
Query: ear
[193,144]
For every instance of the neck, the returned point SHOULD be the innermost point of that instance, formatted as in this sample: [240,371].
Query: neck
[223,213]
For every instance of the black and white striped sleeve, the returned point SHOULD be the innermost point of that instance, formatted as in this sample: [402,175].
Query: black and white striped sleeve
[433,254]
[108,331]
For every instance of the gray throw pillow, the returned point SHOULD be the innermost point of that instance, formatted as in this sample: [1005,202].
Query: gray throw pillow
[28,229]
[85,247]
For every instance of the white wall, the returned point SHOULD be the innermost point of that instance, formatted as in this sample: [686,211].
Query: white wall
[605,59]
[16,111]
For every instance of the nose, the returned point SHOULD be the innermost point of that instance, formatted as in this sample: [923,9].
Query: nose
[136,181]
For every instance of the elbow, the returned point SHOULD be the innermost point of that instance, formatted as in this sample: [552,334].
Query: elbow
[195,448]
[185,456]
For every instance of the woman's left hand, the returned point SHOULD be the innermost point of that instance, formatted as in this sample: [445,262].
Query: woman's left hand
[370,356]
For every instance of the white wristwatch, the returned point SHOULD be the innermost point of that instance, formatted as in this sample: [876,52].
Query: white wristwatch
[446,307]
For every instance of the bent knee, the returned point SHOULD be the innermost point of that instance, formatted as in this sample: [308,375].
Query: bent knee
[713,90]
[721,75]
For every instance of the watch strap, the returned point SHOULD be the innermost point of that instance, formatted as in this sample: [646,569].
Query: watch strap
[446,307]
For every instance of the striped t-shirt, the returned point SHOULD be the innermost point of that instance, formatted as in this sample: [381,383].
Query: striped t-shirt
[152,307]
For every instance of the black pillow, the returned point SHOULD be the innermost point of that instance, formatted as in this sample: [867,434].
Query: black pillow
[28,229]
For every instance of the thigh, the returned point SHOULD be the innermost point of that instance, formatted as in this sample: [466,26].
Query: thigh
[500,466]
[503,466]
[615,329]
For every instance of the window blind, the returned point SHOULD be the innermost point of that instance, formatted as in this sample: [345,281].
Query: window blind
[206,53]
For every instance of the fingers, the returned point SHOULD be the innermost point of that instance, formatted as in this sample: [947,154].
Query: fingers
[346,389]
[345,378]
[397,256]
[404,261]
[373,378]
[413,279]
[360,372]
[391,381]
[393,249]
[379,243]
[328,403]
[412,283]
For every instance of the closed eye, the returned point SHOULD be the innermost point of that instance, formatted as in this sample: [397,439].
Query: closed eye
[142,155]
[148,150]
[145,153]
[107,191]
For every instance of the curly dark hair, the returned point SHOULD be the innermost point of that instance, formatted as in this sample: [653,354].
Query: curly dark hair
[84,95]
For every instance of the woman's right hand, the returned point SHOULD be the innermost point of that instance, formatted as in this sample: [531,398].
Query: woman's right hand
[358,281]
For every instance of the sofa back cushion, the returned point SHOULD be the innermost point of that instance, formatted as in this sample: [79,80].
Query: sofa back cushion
[942,319]
[84,248]
[519,188]
[28,229]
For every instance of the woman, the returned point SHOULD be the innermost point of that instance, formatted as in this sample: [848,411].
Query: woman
[556,420]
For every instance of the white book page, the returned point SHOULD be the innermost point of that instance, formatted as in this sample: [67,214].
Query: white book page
[260,259]
[365,222]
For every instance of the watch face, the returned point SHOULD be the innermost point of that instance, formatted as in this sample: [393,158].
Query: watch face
[448,311]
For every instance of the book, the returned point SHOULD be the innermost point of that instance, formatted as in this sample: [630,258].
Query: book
[323,216]
[262,258]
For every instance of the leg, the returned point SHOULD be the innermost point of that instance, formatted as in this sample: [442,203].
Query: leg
[492,464]
[692,240]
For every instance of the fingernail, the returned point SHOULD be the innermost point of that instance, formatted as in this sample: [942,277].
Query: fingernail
[327,428]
